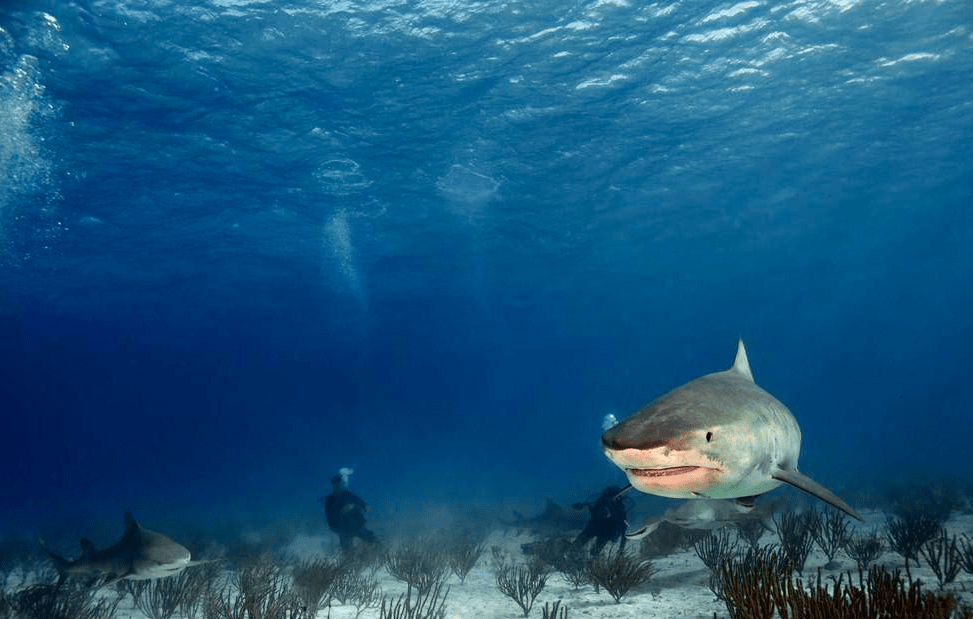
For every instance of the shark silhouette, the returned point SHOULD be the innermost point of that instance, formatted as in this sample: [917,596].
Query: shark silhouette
[705,514]
[140,555]
[554,518]
[719,436]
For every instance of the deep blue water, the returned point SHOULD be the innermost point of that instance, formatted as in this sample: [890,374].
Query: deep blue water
[244,243]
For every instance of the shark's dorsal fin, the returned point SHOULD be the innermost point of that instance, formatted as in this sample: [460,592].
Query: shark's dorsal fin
[86,546]
[741,364]
[130,525]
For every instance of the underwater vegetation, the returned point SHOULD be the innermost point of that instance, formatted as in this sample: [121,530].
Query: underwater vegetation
[184,592]
[22,560]
[259,590]
[930,502]
[613,570]
[966,554]
[356,589]
[256,584]
[414,604]
[262,588]
[761,585]
[942,556]
[750,531]
[864,549]
[796,532]
[554,611]
[831,533]
[751,580]
[742,581]
[716,548]
[68,601]
[522,583]
[462,553]
[569,560]
[907,534]
[313,580]
[619,572]
[418,564]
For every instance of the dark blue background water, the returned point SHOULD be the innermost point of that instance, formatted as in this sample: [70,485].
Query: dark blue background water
[247,243]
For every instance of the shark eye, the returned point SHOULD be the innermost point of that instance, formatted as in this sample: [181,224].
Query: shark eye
[709,436]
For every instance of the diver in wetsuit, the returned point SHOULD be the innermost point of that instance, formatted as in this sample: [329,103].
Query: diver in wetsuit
[345,513]
[607,522]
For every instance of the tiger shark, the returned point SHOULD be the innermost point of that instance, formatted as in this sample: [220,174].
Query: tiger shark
[554,518]
[140,555]
[719,436]
[705,515]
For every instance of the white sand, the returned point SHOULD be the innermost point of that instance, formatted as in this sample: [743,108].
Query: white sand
[678,589]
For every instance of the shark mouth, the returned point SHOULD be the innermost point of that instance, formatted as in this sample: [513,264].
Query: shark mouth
[675,470]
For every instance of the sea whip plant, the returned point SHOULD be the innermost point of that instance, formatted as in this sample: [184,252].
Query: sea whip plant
[522,583]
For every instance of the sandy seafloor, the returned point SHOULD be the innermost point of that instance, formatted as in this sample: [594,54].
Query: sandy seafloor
[678,589]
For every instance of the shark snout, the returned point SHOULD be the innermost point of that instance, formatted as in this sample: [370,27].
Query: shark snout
[624,436]
[639,459]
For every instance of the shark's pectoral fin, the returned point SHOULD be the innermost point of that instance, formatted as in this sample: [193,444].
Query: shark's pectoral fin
[645,530]
[623,491]
[805,483]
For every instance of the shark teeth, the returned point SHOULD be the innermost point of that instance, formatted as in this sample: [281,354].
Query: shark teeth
[675,470]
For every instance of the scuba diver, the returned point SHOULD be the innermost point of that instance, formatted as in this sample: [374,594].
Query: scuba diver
[345,512]
[607,523]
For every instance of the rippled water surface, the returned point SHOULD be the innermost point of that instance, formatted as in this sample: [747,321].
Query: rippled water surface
[244,243]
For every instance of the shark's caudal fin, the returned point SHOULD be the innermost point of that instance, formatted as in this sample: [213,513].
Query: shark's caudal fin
[805,483]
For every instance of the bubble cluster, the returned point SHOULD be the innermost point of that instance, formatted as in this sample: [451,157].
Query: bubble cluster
[26,115]
[341,177]
[463,184]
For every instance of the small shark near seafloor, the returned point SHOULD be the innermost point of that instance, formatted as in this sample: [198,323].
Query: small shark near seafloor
[140,555]
[706,514]
[554,518]
[719,436]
